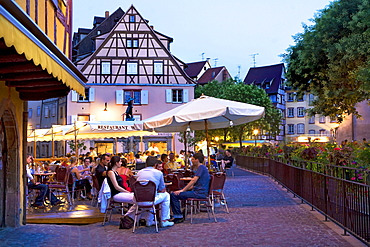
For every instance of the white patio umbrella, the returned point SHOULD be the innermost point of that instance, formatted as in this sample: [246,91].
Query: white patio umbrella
[204,113]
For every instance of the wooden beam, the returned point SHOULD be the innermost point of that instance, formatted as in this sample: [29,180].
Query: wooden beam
[19,67]
[25,76]
[43,95]
[12,58]
[41,89]
[33,83]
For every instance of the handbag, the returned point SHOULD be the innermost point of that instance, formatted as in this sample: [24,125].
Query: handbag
[126,222]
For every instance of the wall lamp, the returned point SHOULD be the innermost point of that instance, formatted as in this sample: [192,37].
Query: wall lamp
[105,106]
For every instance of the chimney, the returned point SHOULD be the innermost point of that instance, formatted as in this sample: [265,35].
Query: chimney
[106,14]
[152,27]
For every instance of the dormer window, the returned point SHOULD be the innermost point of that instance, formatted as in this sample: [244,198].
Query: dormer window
[132,18]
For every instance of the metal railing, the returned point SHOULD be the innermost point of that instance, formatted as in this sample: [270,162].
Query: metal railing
[344,202]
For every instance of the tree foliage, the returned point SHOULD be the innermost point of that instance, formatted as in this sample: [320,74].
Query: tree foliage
[250,94]
[331,58]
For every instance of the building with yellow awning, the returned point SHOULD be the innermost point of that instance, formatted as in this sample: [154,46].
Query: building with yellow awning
[34,65]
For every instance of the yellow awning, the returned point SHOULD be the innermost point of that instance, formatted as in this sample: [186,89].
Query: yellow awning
[26,43]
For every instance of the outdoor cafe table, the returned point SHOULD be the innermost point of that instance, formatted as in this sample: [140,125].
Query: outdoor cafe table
[39,177]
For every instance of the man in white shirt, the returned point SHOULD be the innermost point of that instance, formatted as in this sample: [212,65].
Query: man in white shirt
[154,148]
[162,197]
[43,188]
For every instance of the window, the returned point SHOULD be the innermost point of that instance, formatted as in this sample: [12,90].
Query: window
[132,43]
[291,112]
[300,112]
[135,43]
[61,113]
[311,132]
[30,113]
[290,129]
[176,95]
[333,119]
[46,112]
[84,98]
[37,126]
[53,110]
[322,132]
[158,68]
[300,98]
[83,117]
[273,98]
[132,18]
[311,120]
[105,68]
[135,94]
[131,68]
[322,119]
[290,97]
[300,128]
[310,99]
[38,111]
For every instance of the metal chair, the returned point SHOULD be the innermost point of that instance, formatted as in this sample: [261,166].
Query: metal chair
[194,203]
[62,188]
[145,192]
[96,189]
[112,204]
[217,189]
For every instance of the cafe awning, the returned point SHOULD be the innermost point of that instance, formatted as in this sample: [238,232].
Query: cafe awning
[29,60]
[96,130]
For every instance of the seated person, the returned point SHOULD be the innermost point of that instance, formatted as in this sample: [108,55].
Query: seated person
[171,164]
[80,182]
[43,188]
[100,170]
[162,197]
[118,192]
[180,162]
[196,188]
[228,160]
[125,174]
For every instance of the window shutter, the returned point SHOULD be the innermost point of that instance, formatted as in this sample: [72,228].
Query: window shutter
[74,96]
[168,95]
[91,94]
[186,95]
[144,97]
[119,97]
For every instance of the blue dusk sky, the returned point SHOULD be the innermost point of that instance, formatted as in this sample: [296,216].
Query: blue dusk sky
[227,32]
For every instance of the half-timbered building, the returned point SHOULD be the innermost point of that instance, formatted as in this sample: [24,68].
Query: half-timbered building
[132,61]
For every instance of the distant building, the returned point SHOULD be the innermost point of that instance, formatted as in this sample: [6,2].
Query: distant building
[271,79]
[131,60]
[302,128]
[197,69]
[219,74]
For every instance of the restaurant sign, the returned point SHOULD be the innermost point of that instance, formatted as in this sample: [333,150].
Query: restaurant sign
[114,127]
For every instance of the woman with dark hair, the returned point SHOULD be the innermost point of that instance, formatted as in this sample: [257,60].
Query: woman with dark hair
[79,181]
[115,182]
[125,174]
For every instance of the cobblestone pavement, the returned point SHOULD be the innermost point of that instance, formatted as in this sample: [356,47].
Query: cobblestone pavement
[261,214]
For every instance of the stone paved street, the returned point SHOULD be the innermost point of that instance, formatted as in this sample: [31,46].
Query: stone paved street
[261,214]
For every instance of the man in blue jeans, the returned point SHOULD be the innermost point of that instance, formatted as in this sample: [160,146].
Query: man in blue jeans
[196,188]
[43,188]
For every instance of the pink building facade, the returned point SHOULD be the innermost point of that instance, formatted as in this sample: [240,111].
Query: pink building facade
[131,61]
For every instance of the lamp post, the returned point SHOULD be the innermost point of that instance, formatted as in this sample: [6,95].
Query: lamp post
[255,133]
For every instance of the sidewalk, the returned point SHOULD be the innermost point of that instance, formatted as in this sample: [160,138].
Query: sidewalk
[261,214]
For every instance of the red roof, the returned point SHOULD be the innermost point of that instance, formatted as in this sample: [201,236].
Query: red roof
[209,75]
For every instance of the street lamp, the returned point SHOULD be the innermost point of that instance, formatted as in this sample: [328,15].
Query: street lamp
[255,133]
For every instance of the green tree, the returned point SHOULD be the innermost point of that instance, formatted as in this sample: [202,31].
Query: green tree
[331,58]
[251,94]
[80,144]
